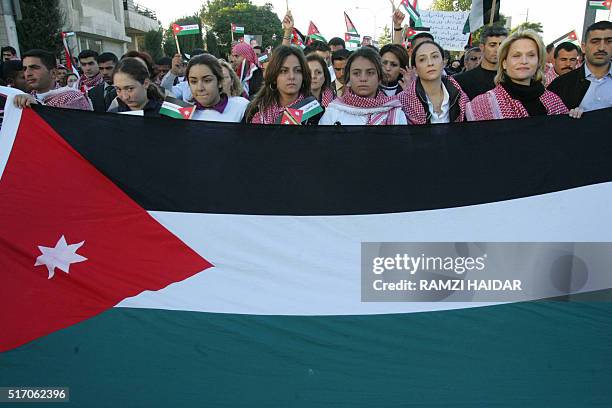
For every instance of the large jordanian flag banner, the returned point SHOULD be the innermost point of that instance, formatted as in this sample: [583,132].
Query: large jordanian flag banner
[151,262]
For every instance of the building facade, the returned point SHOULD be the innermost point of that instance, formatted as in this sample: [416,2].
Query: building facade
[107,25]
[101,25]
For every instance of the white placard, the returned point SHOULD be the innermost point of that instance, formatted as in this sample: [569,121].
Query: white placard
[447,28]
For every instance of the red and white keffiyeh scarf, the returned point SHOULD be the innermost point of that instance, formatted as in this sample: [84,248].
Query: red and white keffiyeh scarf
[380,110]
[85,84]
[498,104]
[270,115]
[327,97]
[63,97]
[249,65]
[414,110]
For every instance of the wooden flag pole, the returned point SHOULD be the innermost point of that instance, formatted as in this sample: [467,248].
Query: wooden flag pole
[178,47]
[492,17]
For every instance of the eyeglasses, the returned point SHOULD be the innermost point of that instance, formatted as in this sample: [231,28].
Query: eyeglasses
[473,58]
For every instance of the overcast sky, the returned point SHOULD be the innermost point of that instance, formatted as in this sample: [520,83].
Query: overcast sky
[557,16]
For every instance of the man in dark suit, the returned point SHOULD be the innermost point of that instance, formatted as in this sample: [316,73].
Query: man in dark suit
[102,95]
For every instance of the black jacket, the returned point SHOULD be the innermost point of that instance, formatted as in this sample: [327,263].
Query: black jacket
[98,101]
[571,87]
[453,99]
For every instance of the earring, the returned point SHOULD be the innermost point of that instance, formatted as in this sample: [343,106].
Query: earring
[273,86]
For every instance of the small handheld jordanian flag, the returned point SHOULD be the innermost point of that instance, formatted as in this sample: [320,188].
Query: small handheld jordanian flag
[568,37]
[179,30]
[600,4]
[412,10]
[176,108]
[237,29]
[291,117]
[412,31]
[301,112]
[314,34]
[351,36]
[297,38]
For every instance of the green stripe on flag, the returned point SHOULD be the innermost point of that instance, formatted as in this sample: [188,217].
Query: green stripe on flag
[599,5]
[534,354]
[189,30]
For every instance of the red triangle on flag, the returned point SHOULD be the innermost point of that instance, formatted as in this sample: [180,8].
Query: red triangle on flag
[410,32]
[572,36]
[176,28]
[72,244]
[186,111]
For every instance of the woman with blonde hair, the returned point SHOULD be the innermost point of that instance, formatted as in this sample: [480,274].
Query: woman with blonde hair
[519,90]
[231,83]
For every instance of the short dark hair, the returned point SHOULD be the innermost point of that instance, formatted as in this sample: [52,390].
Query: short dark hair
[106,57]
[370,55]
[11,68]
[493,31]
[375,48]
[164,61]
[316,46]
[423,34]
[9,49]
[567,46]
[400,53]
[340,55]
[47,58]
[414,52]
[337,41]
[88,54]
[600,25]
[197,51]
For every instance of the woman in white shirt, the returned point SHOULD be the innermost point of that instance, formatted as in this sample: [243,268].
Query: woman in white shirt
[205,77]
[432,97]
[364,103]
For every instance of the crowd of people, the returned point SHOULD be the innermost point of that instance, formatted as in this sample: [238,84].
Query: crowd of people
[506,76]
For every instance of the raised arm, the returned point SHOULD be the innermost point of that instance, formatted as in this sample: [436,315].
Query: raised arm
[398,19]
[287,28]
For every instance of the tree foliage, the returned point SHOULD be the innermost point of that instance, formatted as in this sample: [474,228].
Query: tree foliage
[537,27]
[476,34]
[218,15]
[41,26]
[385,37]
[186,42]
[153,43]
[451,5]
[211,43]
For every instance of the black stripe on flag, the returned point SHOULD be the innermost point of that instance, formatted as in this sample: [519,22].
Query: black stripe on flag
[170,165]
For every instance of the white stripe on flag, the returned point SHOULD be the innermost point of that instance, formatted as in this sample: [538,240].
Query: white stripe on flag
[310,265]
[476,15]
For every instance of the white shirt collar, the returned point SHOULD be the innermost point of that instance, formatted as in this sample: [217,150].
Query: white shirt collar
[442,117]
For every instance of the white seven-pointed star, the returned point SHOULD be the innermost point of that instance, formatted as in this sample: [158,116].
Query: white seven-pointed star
[61,256]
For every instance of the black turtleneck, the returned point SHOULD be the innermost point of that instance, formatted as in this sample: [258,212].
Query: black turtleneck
[528,95]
